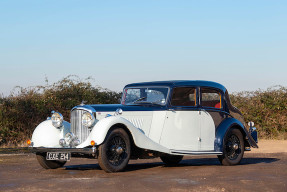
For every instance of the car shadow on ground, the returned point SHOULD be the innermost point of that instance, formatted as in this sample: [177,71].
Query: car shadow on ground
[247,161]
[130,167]
[83,167]
[215,161]
[183,163]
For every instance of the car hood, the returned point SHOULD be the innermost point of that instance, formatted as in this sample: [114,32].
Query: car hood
[114,107]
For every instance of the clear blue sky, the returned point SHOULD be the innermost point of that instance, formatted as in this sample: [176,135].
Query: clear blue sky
[241,44]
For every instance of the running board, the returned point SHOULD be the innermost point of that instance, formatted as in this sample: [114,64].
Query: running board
[185,152]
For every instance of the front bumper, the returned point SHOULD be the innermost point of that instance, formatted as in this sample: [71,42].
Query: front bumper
[74,151]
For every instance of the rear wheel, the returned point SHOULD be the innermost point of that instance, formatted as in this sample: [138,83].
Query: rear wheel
[171,160]
[233,148]
[48,164]
[114,153]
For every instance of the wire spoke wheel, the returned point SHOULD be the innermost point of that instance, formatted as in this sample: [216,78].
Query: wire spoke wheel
[116,150]
[233,148]
[114,153]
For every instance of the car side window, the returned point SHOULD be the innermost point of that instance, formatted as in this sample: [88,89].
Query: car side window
[184,96]
[210,98]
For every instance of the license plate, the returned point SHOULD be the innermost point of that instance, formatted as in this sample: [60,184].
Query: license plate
[58,156]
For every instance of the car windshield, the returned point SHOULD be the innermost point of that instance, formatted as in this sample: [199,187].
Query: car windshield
[145,95]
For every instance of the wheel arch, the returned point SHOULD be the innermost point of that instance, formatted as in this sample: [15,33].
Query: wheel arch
[223,129]
[132,142]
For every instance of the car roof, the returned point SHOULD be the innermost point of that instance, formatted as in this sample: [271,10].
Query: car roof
[179,83]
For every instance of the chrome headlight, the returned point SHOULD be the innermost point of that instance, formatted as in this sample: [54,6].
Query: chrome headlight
[88,119]
[57,119]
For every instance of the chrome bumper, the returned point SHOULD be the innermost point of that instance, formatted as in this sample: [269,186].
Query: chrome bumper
[74,151]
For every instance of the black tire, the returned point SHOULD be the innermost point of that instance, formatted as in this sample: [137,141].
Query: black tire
[114,153]
[47,164]
[171,160]
[233,148]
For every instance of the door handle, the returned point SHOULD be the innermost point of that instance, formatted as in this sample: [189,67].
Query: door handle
[171,110]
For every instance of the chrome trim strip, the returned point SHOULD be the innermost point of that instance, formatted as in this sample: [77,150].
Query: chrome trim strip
[85,108]
[186,152]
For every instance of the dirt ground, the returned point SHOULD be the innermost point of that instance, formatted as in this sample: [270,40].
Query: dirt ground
[263,169]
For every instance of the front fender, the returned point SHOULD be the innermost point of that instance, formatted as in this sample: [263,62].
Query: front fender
[101,129]
[46,135]
[223,129]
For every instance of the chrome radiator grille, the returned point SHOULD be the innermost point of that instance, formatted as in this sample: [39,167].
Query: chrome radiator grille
[77,128]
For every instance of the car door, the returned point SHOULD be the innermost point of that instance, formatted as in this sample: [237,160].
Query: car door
[181,129]
[211,115]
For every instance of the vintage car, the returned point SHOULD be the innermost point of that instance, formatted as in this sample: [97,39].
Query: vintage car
[166,119]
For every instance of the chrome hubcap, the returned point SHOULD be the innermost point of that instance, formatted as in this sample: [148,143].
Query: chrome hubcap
[119,150]
[235,146]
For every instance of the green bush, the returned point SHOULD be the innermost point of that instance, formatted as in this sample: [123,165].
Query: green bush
[21,112]
[267,109]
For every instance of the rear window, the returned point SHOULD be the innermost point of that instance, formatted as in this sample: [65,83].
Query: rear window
[210,98]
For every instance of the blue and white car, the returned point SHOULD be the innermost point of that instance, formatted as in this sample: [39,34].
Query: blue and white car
[166,119]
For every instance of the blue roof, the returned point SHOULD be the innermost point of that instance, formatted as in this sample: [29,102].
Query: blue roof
[176,83]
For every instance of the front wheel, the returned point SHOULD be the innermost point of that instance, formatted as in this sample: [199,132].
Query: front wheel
[49,164]
[114,153]
[171,160]
[233,148]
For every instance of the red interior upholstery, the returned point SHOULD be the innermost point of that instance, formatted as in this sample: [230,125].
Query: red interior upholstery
[217,105]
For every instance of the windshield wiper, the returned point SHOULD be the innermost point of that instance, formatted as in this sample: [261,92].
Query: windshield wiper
[148,102]
[140,99]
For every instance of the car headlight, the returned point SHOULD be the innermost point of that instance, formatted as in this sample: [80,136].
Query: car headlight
[57,119]
[88,119]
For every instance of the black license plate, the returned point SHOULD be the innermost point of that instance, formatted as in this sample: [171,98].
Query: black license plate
[60,156]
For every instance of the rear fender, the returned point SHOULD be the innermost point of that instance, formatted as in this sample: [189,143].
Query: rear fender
[224,127]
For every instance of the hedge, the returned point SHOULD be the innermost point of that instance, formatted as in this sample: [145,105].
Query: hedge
[25,108]
[22,111]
